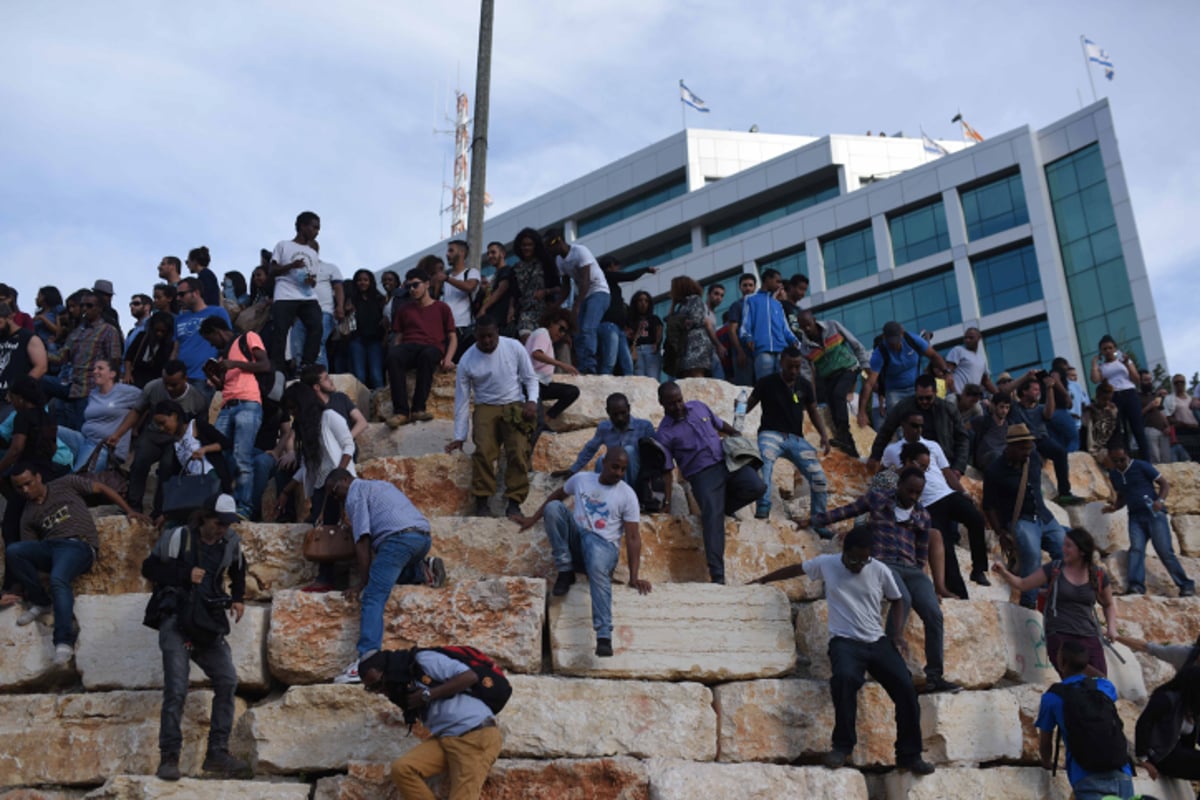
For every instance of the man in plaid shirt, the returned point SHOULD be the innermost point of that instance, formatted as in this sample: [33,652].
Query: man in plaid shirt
[92,341]
[901,541]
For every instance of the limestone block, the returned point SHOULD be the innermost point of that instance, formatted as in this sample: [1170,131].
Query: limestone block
[312,636]
[441,397]
[84,738]
[863,437]
[681,780]
[1059,513]
[1158,582]
[587,718]
[970,727]
[1159,619]
[1187,531]
[1111,531]
[437,484]
[1185,486]
[555,451]
[147,787]
[1024,645]
[755,547]
[1125,672]
[347,384]
[116,651]
[274,558]
[846,478]
[963,782]
[586,412]
[1028,697]
[42,794]
[477,548]
[1154,672]
[672,550]
[124,544]
[617,778]
[747,633]
[1088,480]
[411,440]
[26,655]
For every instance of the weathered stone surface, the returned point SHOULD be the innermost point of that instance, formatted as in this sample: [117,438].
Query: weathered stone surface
[555,451]
[680,780]
[1088,480]
[116,651]
[441,397]
[437,484]
[755,547]
[274,558]
[963,782]
[412,440]
[747,633]
[509,779]
[80,739]
[789,719]
[1111,531]
[588,410]
[847,479]
[863,437]
[1185,486]
[970,727]
[478,548]
[26,654]
[587,718]
[1024,645]
[124,544]
[312,636]
[1158,582]
[672,550]
[346,383]
[147,787]
[1159,619]
[42,794]
[1187,531]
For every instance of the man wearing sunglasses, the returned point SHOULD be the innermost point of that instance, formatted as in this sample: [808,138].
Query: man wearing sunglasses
[192,348]
[423,339]
[140,307]
[943,424]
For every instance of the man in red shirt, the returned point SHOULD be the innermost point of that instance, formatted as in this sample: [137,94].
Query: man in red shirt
[424,339]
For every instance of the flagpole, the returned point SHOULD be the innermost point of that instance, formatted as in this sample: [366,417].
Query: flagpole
[1087,66]
[682,109]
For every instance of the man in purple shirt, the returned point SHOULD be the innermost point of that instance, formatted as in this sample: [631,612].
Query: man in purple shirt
[690,432]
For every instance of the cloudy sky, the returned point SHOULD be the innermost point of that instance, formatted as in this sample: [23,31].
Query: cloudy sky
[134,130]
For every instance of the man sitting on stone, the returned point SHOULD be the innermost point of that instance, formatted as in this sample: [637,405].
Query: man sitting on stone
[392,538]
[58,537]
[187,559]
[621,431]
[605,508]
[690,433]
[855,588]
[423,339]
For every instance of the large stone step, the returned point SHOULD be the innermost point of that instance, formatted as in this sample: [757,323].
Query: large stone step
[672,779]
[1017,783]
[146,787]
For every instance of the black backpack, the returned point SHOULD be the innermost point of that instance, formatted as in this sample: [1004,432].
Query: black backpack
[916,344]
[651,485]
[1093,728]
[401,671]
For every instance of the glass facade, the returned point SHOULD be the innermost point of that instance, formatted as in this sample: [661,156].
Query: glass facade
[1097,281]
[930,303]
[659,254]
[995,206]
[919,233]
[849,257]
[634,205]
[789,204]
[1018,350]
[793,263]
[1007,280]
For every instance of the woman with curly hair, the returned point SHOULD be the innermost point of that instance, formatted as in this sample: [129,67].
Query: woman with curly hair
[697,339]
[537,281]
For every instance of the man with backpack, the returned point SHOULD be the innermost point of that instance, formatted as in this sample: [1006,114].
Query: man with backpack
[1083,710]
[240,375]
[455,692]
[188,567]
[895,364]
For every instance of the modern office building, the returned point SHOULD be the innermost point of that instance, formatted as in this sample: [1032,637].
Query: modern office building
[1028,235]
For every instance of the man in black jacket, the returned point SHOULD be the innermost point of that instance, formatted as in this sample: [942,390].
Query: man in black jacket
[943,424]
[188,567]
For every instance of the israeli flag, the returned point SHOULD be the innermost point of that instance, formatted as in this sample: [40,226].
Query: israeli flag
[933,147]
[1098,55]
[687,96]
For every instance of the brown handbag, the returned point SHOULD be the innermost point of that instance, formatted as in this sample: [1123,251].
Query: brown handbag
[111,476]
[328,544]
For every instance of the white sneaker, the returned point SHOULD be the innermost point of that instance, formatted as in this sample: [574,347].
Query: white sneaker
[63,653]
[349,674]
[32,613]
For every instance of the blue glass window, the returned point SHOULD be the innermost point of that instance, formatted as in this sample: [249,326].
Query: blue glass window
[659,254]
[789,204]
[995,206]
[930,302]
[1019,349]
[635,205]
[794,263]
[1007,279]
[919,233]
[848,257]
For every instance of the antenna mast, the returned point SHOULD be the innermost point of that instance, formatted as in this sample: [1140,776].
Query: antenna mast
[462,142]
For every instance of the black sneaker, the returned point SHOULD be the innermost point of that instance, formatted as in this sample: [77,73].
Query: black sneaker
[980,576]
[481,507]
[168,767]
[1069,499]
[1188,591]
[512,509]
[835,759]
[563,583]
[940,685]
[434,570]
[223,762]
[604,648]
[917,766]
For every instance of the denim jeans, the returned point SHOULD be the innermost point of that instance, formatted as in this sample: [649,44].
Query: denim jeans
[217,663]
[765,364]
[649,362]
[241,423]
[772,445]
[917,594]
[397,560]
[1064,429]
[1143,526]
[300,334]
[613,350]
[65,560]
[1098,785]
[576,549]
[264,468]
[1032,536]
[366,361]
[590,314]
[78,444]
[631,471]
[849,661]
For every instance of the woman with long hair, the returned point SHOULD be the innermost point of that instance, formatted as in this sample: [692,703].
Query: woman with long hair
[1166,731]
[197,448]
[45,320]
[389,283]
[645,331]
[233,288]
[262,286]
[150,350]
[366,303]
[688,308]
[537,285]
[1073,587]
[1120,370]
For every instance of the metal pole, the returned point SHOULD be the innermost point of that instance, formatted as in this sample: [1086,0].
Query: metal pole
[1087,65]
[483,85]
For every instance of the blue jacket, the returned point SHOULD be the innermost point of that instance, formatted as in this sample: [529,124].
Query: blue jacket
[765,324]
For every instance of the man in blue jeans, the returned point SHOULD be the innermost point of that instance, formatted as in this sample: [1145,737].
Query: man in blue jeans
[1143,490]
[588,539]
[764,328]
[576,263]
[392,539]
[785,397]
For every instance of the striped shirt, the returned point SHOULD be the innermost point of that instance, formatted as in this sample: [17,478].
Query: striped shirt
[896,542]
[87,344]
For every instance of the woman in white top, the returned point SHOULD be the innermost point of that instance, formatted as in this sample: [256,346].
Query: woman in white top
[1120,370]
[197,449]
[555,325]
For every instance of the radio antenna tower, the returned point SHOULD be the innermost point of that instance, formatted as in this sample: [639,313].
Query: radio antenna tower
[462,143]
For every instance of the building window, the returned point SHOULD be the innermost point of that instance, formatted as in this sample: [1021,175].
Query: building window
[788,264]
[659,254]
[789,204]
[919,233]
[849,257]
[995,206]
[1019,349]
[1097,280]
[635,205]
[928,303]
[1007,280]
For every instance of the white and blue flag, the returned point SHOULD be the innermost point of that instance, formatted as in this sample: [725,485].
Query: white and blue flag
[1098,55]
[933,147]
[689,97]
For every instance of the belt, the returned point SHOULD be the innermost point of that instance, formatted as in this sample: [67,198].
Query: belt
[490,722]
[232,403]
[390,534]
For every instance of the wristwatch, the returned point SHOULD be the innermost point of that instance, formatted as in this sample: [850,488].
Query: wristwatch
[425,694]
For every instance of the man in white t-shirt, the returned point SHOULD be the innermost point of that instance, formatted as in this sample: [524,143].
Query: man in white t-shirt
[855,588]
[331,298]
[458,289]
[968,363]
[294,265]
[587,539]
[576,263]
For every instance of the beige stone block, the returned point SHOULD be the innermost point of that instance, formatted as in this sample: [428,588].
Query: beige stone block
[971,727]
[437,484]
[274,558]
[588,411]
[1158,581]
[672,550]
[27,653]
[863,437]
[441,397]
[1185,486]
[147,787]
[116,651]
[478,548]
[1111,531]
[312,636]
[84,738]
[410,441]
[555,451]
[551,717]
[755,547]
[1024,645]
[42,794]
[964,782]
[1187,531]
[747,633]
[681,780]
[1154,672]
[1028,697]
[1159,619]
[124,544]
[1088,480]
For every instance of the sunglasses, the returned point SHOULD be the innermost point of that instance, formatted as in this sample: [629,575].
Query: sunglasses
[856,562]
[185,292]
[87,305]
[413,284]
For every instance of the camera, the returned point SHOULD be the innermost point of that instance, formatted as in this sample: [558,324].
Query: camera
[222,602]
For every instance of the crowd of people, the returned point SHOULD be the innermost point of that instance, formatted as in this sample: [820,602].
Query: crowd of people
[89,410]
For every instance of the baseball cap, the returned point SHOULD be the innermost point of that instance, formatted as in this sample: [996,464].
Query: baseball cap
[225,507]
